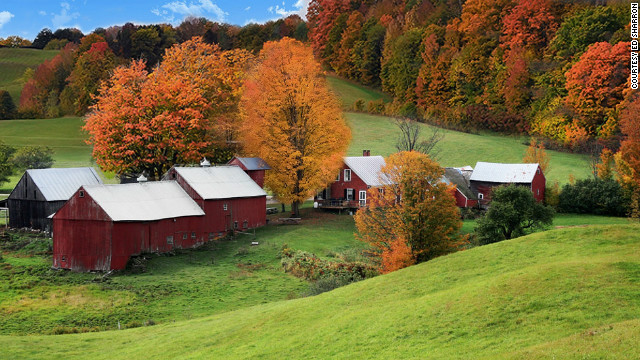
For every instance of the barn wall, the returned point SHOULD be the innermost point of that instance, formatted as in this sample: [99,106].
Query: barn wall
[338,187]
[252,210]
[538,186]
[28,207]
[257,176]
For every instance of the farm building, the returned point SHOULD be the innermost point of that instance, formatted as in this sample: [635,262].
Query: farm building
[102,226]
[255,167]
[41,192]
[487,176]
[349,190]
[463,194]
[230,198]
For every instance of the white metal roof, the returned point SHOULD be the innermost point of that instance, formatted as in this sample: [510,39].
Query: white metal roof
[220,182]
[367,168]
[253,163]
[504,173]
[146,201]
[60,183]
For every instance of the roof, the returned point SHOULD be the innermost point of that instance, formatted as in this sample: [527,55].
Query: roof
[253,163]
[367,168]
[146,201]
[504,173]
[456,177]
[220,182]
[58,184]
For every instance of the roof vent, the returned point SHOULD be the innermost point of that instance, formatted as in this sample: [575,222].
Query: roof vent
[205,162]
[142,178]
[366,152]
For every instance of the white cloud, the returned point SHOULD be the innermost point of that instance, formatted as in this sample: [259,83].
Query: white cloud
[247,8]
[64,17]
[42,12]
[5,17]
[299,8]
[199,8]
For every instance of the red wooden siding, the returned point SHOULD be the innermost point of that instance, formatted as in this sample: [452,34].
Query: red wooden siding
[256,175]
[538,185]
[338,187]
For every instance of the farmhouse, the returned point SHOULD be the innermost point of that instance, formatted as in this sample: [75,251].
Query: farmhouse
[101,226]
[41,192]
[230,198]
[255,167]
[349,190]
[487,176]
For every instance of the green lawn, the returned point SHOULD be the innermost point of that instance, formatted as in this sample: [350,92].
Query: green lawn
[566,294]
[379,134]
[220,277]
[14,62]
[349,92]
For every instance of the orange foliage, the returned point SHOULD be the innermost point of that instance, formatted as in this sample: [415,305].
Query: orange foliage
[531,25]
[293,121]
[604,168]
[628,157]
[535,154]
[149,122]
[575,135]
[413,218]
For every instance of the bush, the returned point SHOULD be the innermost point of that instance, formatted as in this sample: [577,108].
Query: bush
[33,157]
[376,106]
[327,284]
[7,106]
[358,105]
[309,267]
[594,196]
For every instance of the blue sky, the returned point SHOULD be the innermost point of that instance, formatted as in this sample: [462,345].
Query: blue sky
[26,18]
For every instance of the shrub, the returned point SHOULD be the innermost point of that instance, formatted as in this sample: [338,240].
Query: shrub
[309,267]
[327,284]
[7,106]
[358,105]
[594,196]
[33,157]
[376,106]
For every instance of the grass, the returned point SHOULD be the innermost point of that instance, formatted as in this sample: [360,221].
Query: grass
[379,134]
[349,92]
[221,276]
[567,293]
[14,62]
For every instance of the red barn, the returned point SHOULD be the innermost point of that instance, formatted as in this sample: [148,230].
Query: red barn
[102,226]
[349,191]
[463,194]
[486,176]
[255,167]
[230,198]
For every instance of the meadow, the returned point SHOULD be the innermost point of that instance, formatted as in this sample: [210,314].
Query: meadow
[566,293]
[14,62]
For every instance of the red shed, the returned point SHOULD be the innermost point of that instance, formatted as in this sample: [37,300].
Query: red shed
[463,194]
[358,174]
[228,196]
[486,176]
[255,167]
[101,226]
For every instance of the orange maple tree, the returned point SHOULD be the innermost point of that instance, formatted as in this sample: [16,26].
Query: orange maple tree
[536,154]
[413,218]
[145,122]
[293,121]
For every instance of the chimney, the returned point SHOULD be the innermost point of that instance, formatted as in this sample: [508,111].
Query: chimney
[205,163]
[366,152]
[142,178]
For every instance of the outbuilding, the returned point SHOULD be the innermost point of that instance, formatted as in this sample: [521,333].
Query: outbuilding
[230,198]
[41,192]
[255,167]
[487,176]
[102,226]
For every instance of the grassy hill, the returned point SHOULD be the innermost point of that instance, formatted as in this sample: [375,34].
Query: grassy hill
[14,62]
[569,293]
[349,92]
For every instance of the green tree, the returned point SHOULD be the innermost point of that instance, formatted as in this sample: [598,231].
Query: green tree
[594,196]
[32,157]
[6,167]
[513,212]
[7,106]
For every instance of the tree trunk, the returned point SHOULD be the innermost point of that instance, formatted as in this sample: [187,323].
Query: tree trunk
[295,208]
[283,209]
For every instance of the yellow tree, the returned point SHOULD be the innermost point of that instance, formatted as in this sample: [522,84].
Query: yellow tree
[536,154]
[414,217]
[293,121]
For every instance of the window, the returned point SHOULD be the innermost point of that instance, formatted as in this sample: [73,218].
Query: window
[184,236]
[538,170]
[381,191]
[64,258]
[362,196]
[480,196]
[349,194]
[338,177]
[245,224]
[34,194]
[537,191]
[235,225]
[347,174]
[193,234]
[170,239]
[81,193]
[224,207]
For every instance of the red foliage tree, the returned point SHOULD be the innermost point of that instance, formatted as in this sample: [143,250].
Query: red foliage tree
[322,15]
[530,25]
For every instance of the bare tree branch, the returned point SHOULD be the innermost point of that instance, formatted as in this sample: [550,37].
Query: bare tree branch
[409,139]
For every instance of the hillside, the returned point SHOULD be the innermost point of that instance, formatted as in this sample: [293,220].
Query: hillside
[14,62]
[569,293]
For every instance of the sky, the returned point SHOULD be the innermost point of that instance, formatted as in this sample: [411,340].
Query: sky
[25,18]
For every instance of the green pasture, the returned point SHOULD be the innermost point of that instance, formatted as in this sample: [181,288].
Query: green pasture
[379,134]
[567,293]
[349,92]
[14,62]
